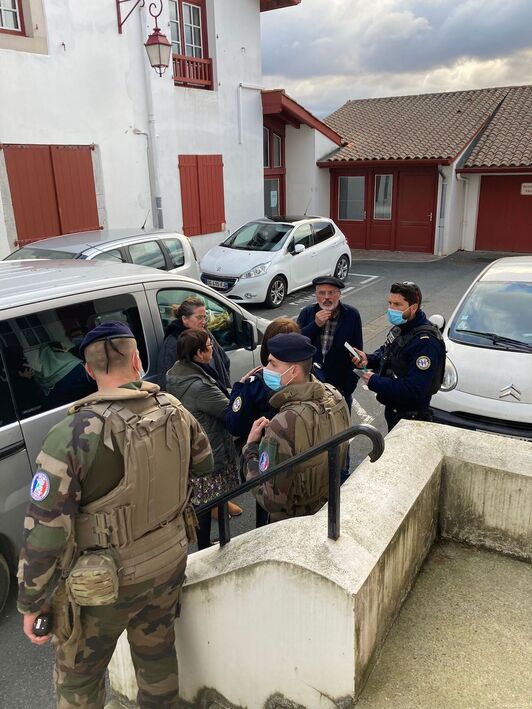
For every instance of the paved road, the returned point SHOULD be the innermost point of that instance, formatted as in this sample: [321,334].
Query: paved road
[25,671]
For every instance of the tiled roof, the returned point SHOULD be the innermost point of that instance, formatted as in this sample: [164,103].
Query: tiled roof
[507,141]
[430,126]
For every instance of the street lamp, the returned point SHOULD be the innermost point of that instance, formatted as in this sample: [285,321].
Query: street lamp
[158,49]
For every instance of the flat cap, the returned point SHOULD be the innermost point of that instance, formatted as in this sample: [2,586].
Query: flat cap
[328,281]
[106,331]
[291,347]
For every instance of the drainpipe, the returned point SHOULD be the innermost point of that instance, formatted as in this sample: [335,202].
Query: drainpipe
[151,140]
[441,216]
[252,87]
[461,178]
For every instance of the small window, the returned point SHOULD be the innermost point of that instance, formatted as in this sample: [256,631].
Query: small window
[175,248]
[148,253]
[42,358]
[192,27]
[7,410]
[175,34]
[351,198]
[383,197]
[277,156]
[303,235]
[220,319]
[322,231]
[112,255]
[10,16]
[266,147]
[271,197]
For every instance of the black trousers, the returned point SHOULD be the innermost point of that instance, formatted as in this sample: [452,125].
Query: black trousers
[393,416]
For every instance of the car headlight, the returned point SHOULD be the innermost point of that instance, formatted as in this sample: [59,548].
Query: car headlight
[450,377]
[256,270]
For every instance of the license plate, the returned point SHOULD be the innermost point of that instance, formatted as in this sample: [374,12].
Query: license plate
[217,284]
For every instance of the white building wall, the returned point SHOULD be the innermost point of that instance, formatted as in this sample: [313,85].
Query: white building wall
[92,86]
[307,186]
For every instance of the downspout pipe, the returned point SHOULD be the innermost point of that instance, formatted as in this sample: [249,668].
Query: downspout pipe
[441,215]
[151,139]
[465,180]
[241,86]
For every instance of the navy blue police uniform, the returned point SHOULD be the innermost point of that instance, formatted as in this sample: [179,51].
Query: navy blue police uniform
[249,401]
[405,375]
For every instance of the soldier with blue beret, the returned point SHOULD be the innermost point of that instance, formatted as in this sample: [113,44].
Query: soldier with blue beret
[91,554]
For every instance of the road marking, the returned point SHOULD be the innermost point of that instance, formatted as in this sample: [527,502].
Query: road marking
[366,276]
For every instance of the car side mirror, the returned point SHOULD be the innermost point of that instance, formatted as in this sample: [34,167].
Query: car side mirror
[247,335]
[439,321]
[299,248]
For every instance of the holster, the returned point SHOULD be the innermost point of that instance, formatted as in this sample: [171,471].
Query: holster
[191,523]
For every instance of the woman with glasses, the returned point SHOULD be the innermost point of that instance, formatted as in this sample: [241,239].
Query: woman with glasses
[190,315]
[197,385]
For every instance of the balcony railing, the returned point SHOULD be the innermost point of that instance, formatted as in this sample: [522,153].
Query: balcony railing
[192,71]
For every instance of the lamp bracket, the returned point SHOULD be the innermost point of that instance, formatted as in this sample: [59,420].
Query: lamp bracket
[123,19]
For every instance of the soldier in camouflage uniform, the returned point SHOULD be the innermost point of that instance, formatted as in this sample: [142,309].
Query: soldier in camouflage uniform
[310,412]
[81,467]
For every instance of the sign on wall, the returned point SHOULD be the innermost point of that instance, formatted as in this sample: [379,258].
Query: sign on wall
[526,188]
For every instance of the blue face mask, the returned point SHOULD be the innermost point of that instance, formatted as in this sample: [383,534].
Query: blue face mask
[273,379]
[396,317]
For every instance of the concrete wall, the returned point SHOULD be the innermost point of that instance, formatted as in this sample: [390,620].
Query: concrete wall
[307,186]
[284,617]
[93,85]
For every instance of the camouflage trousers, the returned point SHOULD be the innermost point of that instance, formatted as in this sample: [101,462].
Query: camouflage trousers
[147,612]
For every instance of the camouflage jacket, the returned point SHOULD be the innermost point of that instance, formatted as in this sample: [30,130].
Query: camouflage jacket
[74,468]
[279,444]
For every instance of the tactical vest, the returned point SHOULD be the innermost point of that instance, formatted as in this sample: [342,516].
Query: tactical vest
[395,364]
[317,420]
[141,519]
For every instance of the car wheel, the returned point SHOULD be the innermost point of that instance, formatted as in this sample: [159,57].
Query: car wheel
[5,580]
[276,292]
[342,268]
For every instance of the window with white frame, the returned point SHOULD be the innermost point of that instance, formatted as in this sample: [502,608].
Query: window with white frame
[10,16]
[186,28]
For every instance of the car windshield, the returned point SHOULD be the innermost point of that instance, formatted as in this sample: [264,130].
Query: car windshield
[496,315]
[258,236]
[29,252]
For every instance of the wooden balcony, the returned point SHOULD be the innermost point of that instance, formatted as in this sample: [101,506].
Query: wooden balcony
[192,71]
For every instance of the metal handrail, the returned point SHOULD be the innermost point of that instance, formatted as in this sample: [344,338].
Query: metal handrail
[331,446]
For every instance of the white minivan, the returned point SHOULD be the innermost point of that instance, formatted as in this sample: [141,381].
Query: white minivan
[488,376]
[46,307]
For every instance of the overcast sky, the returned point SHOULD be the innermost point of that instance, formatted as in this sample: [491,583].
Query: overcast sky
[324,52]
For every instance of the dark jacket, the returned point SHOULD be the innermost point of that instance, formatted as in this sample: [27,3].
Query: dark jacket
[248,402]
[421,356]
[337,366]
[200,394]
[167,356]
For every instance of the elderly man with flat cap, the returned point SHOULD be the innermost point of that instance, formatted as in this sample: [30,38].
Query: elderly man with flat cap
[105,540]
[309,412]
[328,324]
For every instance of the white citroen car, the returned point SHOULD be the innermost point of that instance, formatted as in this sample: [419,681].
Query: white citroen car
[488,376]
[268,258]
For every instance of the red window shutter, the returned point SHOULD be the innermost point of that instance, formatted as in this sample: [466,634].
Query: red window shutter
[211,190]
[190,201]
[31,183]
[76,192]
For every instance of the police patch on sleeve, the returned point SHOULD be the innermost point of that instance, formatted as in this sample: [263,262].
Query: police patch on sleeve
[40,486]
[264,461]
[237,404]
[423,362]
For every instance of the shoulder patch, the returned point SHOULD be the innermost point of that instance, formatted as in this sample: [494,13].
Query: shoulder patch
[40,486]
[423,362]
[237,404]
[264,461]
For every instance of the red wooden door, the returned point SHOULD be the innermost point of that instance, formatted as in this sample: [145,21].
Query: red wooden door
[76,193]
[211,191]
[382,206]
[349,203]
[32,187]
[504,214]
[416,209]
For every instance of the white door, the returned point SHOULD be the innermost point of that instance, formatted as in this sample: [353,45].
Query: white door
[303,266]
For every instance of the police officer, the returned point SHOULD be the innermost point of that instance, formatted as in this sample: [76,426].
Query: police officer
[105,542]
[408,368]
[309,412]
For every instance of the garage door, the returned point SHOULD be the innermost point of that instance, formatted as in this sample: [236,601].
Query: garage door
[505,213]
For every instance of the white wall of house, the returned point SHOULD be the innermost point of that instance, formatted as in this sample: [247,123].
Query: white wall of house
[92,87]
[307,186]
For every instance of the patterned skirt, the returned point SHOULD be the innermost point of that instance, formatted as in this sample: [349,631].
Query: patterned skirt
[208,487]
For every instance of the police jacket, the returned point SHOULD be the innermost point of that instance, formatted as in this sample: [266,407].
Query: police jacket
[249,401]
[405,377]
[167,356]
[337,366]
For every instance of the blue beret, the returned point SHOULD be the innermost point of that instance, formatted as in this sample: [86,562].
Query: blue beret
[291,347]
[328,281]
[106,331]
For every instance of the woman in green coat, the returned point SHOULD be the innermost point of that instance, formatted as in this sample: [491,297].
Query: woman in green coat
[197,385]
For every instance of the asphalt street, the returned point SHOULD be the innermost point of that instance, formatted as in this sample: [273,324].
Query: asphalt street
[26,671]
